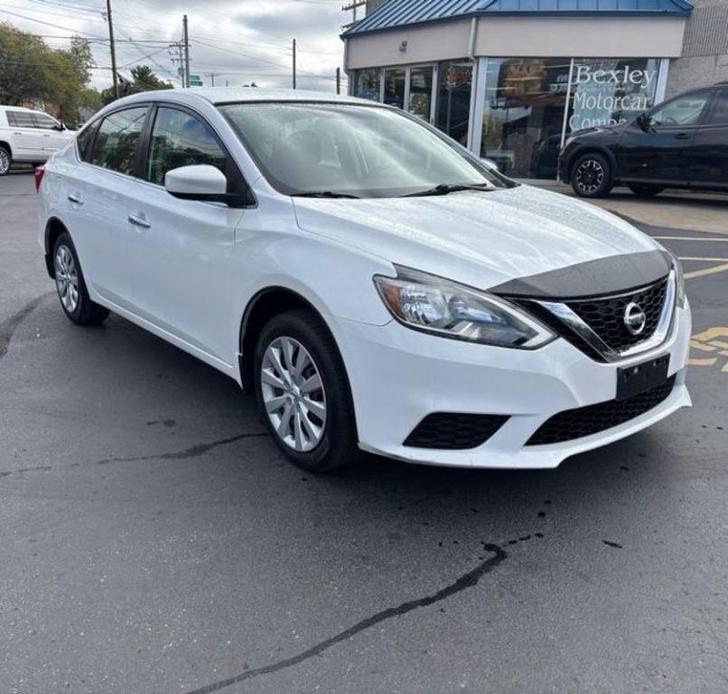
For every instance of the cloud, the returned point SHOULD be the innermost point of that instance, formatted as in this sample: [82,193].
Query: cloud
[237,45]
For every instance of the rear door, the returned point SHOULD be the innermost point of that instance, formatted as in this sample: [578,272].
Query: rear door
[709,156]
[27,140]
[99,197]
[659,150]
[180,250]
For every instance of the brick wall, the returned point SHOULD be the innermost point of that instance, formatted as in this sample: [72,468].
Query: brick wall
[704,58]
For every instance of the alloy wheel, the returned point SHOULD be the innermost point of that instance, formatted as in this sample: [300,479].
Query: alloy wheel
[293,394]
[4,161]
[66,278]
[589,176]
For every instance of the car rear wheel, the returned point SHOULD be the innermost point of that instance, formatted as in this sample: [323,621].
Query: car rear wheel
[591,176]
[71,287]
[303,392]
[5,161]
[644,190]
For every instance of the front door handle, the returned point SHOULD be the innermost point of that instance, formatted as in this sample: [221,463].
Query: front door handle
[74,197]
[682,136]
[139,221]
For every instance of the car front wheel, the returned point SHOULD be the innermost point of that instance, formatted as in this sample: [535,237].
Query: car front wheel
[591,176]
[303,392]
[71,286]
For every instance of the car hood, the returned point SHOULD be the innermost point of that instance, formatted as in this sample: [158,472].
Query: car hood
[480,239]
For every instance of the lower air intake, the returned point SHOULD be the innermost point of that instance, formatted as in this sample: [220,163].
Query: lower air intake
[454,431]
[584,421]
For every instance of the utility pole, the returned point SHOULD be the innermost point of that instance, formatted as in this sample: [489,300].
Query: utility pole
[213,75]
[113,48]
[186,41]
[338,80]
[294,63]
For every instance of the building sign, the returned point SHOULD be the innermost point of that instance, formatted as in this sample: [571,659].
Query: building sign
[609,92]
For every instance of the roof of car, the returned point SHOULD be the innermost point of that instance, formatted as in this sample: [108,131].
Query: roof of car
[225,95]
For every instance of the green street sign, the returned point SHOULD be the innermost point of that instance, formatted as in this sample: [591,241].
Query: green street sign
[195,81]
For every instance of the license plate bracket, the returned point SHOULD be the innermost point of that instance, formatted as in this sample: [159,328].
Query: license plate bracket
[639,378]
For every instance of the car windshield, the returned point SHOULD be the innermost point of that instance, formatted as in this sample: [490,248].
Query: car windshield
[350,150]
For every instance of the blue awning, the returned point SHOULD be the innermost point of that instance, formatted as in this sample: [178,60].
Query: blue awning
[394,14]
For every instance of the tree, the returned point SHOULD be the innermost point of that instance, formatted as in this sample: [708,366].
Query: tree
[34,72]
[143,80]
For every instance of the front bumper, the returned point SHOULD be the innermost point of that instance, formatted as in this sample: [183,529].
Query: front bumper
[398,376]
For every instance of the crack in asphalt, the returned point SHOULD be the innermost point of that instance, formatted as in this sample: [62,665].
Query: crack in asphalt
[465,581]
[9,326]
[192,452]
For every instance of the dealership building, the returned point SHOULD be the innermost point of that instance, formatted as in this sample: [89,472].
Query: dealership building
[510,79]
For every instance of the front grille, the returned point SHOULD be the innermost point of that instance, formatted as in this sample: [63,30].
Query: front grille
[606,316]
[584,421]
[454,431]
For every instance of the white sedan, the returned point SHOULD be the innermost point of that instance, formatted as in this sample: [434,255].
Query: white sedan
[377,286]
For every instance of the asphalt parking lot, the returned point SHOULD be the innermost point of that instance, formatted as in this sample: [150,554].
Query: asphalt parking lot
[153,540]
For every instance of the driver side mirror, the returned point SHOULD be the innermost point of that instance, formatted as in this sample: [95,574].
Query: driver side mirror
[60,127]
[644,122]
[201,182]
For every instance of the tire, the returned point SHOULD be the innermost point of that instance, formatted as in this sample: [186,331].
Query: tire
[5,160]
[591,176]
[71,287]
[327,439]
[643,190]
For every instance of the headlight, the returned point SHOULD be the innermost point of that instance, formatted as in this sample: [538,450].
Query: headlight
[680,296]
[436,305]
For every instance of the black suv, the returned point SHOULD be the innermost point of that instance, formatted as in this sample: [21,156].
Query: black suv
[680,143]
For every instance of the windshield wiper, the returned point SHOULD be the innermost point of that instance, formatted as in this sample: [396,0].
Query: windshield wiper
[323,194]
[445,188]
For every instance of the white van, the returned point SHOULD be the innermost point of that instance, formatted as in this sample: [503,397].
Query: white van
[29,136]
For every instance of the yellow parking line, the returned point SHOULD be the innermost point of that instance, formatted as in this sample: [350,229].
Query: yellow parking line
[702,362]
[707,271]
[689,238]
[706,260]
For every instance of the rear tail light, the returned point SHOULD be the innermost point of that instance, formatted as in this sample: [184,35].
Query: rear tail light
[38,173]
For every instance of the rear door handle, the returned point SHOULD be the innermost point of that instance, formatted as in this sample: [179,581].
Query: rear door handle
[139,221]
[74,197]
[682,136]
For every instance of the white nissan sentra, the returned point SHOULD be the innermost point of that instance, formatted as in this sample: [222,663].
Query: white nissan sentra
[376,285]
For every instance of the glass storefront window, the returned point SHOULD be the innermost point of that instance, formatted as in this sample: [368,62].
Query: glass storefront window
[420,97]
[610,91]
[394,87]
[455,83]
[366,84]
[523,114]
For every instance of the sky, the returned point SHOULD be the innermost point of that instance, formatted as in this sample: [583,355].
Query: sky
[240,42]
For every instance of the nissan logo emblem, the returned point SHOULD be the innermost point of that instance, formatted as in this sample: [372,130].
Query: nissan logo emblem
[634,318]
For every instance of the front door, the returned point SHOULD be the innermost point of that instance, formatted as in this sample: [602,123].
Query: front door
[180,250]
[656,147]
[709,156]
[53,135]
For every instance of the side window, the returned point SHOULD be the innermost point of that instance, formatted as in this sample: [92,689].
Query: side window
[180,139]
[720,109]
[44,122]
[685,110]
[84,139]
[117,140]
[20,119]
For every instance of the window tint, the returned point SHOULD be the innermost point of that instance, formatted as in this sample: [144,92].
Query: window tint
[45,122]
[84,140]
[720,110]
[117,139]
[20,119]
[179,139]
[684,110]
